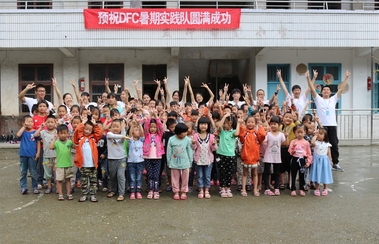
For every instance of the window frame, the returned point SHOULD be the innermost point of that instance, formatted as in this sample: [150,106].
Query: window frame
[92,83]
[47,4]
[271,84]
[31,93]
[149,86]
[107,4]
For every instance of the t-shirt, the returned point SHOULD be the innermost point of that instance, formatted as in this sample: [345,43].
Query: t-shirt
[87,153]
[299,102]
[227,143]
[47,138]
[38,120]
[179,153]
[136,151]
[272,153]
[31,101]
[153,153]
[239,104]
[326,110]
[63,152]
[28,146]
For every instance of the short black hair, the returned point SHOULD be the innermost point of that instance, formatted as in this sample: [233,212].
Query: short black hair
[113,95]
[236,90]
[298,127]
[62,127]
[296,87]
[106,106]
[50,117]
[89,123]
[76,117]
[326,86]
[215,115]
[307,116]
[188,104]
[170,122]
[25,117]
[172,114]
[63,106]
[114,111]
[75,106]
[39,86]
[204,120]
[172,103]
[203,103]
[34,107]
[181,128]
[194,112]
[85,94]
[275,119]
[43,101]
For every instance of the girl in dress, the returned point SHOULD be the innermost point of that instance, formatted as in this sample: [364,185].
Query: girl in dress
[321,171]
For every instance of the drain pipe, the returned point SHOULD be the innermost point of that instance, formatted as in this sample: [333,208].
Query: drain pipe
[373,75]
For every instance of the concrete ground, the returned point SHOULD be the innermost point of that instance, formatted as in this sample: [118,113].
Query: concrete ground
[348,215]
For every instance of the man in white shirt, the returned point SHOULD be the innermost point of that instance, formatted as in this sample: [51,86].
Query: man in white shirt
[40,92]
[326,111]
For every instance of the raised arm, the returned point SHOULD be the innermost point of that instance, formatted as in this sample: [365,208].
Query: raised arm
[212,96]
[279,74]
[190,90]
[315,74]
[185,89]
[157,91]
[138,90]
[57,91]
[106,83]
[311,85]
[76,91]
[343,84]
[272,99]
[165,82]
[21,96]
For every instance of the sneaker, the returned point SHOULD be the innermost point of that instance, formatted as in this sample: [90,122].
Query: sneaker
[336,167]
[132,196]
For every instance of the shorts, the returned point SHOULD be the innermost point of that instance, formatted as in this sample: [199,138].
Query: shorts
[64,173]
[251,166]
[48,165]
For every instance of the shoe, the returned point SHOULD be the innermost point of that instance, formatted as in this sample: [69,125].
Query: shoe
[111,194]
[256,194]
[36,191]
[56,191]
[39,187]
[212,182]
[223,193]
[325,192]
[317,193]
[248,188]
[336,167]
[156,195]
[82,199]
[269,192]
[302,193]
[60,198]
[24,191]
[293,193]
[144,171]
[93,198]
[79,184]
[132,196]
[229,193]
[139,195]
[168,188]
[277,192]
[69,197]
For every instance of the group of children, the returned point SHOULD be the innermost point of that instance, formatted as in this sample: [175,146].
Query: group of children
[216,141]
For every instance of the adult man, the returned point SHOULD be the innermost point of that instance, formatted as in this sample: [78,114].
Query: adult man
[40,92]
[326,111]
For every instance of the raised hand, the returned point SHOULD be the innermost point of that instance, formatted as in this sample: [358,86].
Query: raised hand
[30,86]
[279,73]
[53,81]
[72,82]
[226,87]
[165,80]
[204,85]
[186,80]
[106,81]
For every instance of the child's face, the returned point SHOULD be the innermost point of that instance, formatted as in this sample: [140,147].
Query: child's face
[240,114]
[95,115]
[136,132]
[320,136]
[287,119]
[250,123]
[189,132]
[227,125]
[199,98]
[88,130]
[153,128]
[139,105]
[50,123]
[104,98]
[174,107]
[84,99]
[203,127]
[75,123]
[194,118]
[182,135]
[116,116]
[266,126]
[116,128]
[257,116]
[75,112]
[274,126]
[42,108]
[146,99]
[171,128]
[311,128]
[234,109]
[106,112]
[63,135]
[159,107]
[227,110]
[28,124]
[62,112]
[152,104]
[112,100]
[300,133]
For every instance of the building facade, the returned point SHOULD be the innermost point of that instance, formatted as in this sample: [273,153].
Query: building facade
[40,40]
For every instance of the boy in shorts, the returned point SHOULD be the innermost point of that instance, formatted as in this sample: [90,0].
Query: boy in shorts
[63,167]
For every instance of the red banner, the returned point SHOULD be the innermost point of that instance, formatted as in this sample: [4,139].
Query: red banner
[162,18]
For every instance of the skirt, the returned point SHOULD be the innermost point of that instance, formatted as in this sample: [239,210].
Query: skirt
[321,171]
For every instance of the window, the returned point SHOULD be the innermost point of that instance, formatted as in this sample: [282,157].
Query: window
[105,4]
[376,5]
[151,73]
[146,4]
[37,74]
[322,69]
[34,5]
[278,4]
[273,81]
[323,4]
[97,75]
[375,88]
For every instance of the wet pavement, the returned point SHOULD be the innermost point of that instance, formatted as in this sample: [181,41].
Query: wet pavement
[348,215]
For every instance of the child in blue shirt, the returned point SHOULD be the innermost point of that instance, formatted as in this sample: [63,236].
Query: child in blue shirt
[29,154]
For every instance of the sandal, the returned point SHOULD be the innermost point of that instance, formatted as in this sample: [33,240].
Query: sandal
[302,193]
[244,193]
[269,192]
[70,197]
[248,188]
[82,199]
[60,198]
[139,195]
[93,199]
[317,193]
[169,188]
[176,196]
[24,191]
[36,191]
[111,194]
[120,198]
[183,196]
[293,193]
[132,196]
[156,195]
[104,189]
[239,188]
[223,193]
[277,192]
[325,192]
[150,195]
[201,194]
[256,194]
[48,191]
[282,186]
[229,193]
[207,195]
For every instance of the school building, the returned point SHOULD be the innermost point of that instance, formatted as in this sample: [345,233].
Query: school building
[214,42]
